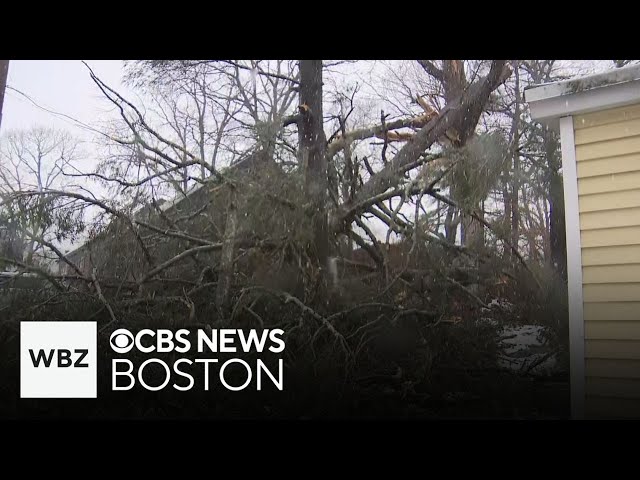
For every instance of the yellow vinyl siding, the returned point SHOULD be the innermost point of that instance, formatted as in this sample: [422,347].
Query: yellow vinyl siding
[613,182]
[612,349]
[607,368]
[608,168]
[606,117]
[629,273]
[612,330]
[608,148]
[614,242]
[616,255]
[610,201]
[613,387]
[612,407]
[611,131]
[620,217]
[610,292]
[612,311]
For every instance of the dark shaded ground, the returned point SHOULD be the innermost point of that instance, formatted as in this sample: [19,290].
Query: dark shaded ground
[378,352]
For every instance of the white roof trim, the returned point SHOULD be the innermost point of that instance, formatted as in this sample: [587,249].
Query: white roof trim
[614,88]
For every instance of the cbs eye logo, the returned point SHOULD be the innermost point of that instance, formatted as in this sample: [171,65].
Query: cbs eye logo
[121,340]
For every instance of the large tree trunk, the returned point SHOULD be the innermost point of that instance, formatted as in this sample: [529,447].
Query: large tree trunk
[455,83]
[472,230]
[4,73]
[455,79]
[557,234]
[312,146]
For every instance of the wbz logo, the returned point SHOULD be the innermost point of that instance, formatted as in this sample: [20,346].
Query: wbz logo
[58,360]
[64,358]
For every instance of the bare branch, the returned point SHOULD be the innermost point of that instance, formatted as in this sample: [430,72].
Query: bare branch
[432,70]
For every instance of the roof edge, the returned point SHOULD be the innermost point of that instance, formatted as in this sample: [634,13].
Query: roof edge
[582,84]
[616,88]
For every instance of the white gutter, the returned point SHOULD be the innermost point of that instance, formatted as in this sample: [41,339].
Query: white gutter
[614,88]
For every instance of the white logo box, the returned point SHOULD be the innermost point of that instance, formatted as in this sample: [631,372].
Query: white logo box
[57,380]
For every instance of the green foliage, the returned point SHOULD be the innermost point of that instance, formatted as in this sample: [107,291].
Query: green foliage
[272,205]
[478,166]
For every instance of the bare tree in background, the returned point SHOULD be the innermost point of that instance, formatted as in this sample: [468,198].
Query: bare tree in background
[34,161]
[542,152]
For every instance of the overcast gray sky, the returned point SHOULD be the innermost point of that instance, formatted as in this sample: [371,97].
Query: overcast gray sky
[62,86]
[65,86]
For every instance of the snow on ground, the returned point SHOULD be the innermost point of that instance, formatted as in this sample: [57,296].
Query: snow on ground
[500,303]
[523,346]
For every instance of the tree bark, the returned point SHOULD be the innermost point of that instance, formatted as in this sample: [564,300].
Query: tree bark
[541,72]
[4,73]
[472,230]
[454,81]
[313,149]
[557,233]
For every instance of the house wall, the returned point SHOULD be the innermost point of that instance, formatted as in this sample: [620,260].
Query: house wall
[607,152]
[116,254]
